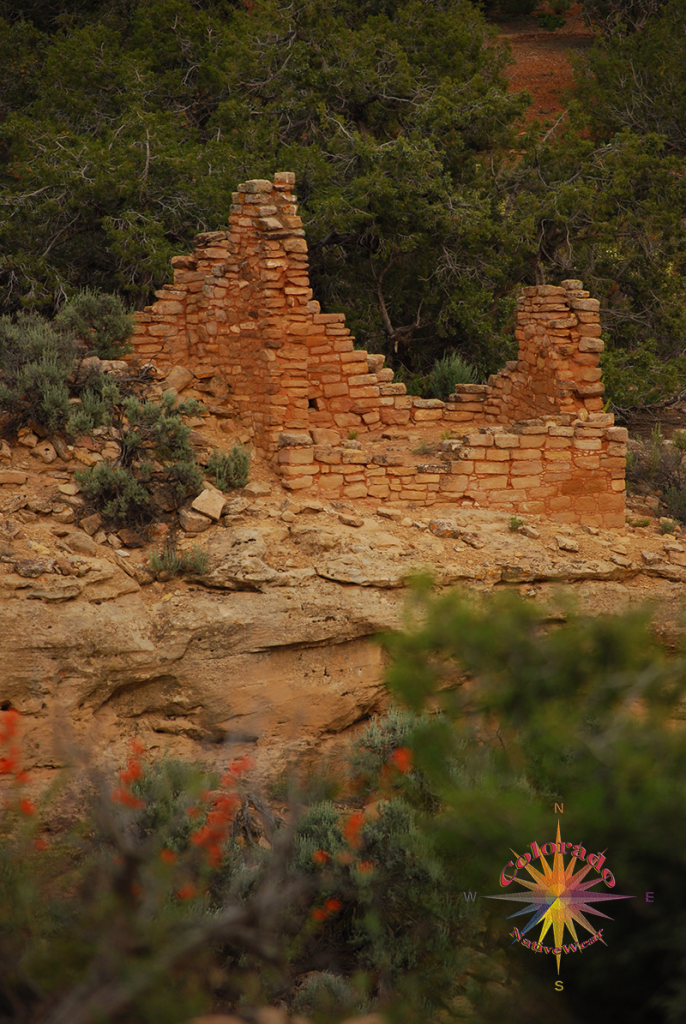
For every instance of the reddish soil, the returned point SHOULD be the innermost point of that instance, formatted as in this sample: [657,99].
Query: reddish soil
[542,60]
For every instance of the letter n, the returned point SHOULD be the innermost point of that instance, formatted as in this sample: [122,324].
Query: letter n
[559,809]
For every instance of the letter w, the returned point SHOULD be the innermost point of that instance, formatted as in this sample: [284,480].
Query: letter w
[571,949]
[469,896]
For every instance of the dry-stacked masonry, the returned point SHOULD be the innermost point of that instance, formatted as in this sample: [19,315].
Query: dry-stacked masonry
[240,313]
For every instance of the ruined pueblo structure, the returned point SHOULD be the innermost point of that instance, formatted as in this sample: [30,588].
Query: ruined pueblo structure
[534,440]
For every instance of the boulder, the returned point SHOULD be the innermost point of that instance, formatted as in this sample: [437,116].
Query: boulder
[256,490]
[91,524]
[178,378]
[81,543]
[209,502]
[193,522]
[130,538]
[45,452]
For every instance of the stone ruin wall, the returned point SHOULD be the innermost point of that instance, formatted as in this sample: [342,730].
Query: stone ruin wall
[240,314]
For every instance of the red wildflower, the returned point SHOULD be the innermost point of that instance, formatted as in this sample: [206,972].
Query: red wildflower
[214,855]
[137,747]
[167,856]
[402,759]
[319,914]
[353,828]
[40,844]
[123,796]
[193,812]
[10,763]
[365,867]
[333,906]
[240,765]
[26,807]
[344,858]
[321,857]
[186,892]
[132,772]
[10,723]
[21,777]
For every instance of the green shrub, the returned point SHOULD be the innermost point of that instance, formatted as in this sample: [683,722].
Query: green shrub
[118,492]
[230,469]
[640,377]
[655,465]
[39,359]
[178,563]
[99,321]
[509,8]
[551,22]
[448,371]
[98,400]
[35,365]
[157,469]
[515,522]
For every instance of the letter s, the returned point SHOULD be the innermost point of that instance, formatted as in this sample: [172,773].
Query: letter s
[559,985]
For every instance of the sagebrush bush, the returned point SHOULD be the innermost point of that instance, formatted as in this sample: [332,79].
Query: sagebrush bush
[654,465]
[36,363]
[230,469]
[178,563]
[118,493]
[156,469]
[99,321]
[448,371]
[39,361]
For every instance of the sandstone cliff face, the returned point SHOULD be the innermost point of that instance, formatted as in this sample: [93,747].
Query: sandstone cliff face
[271,647]
[183,673]
[282,665]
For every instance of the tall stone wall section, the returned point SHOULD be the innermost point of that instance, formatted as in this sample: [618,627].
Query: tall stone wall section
[240,310]
[241,305]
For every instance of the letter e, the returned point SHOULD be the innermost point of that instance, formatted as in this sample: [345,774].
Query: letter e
[649,897]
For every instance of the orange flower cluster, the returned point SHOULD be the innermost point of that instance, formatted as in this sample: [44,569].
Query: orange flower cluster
[9,730]
[223,806]
[402,759]
[352,830]
[331,906]
[133,771]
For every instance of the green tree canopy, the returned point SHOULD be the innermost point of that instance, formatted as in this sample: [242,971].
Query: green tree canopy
[125,127]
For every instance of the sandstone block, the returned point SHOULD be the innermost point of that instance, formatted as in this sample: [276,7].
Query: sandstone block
[294,245]
[591,345]
[425,415]
[325,435]
[179,377]
[193,522]
[355,491]
[210,503]
[91,524]
[287,440]
[12,476]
